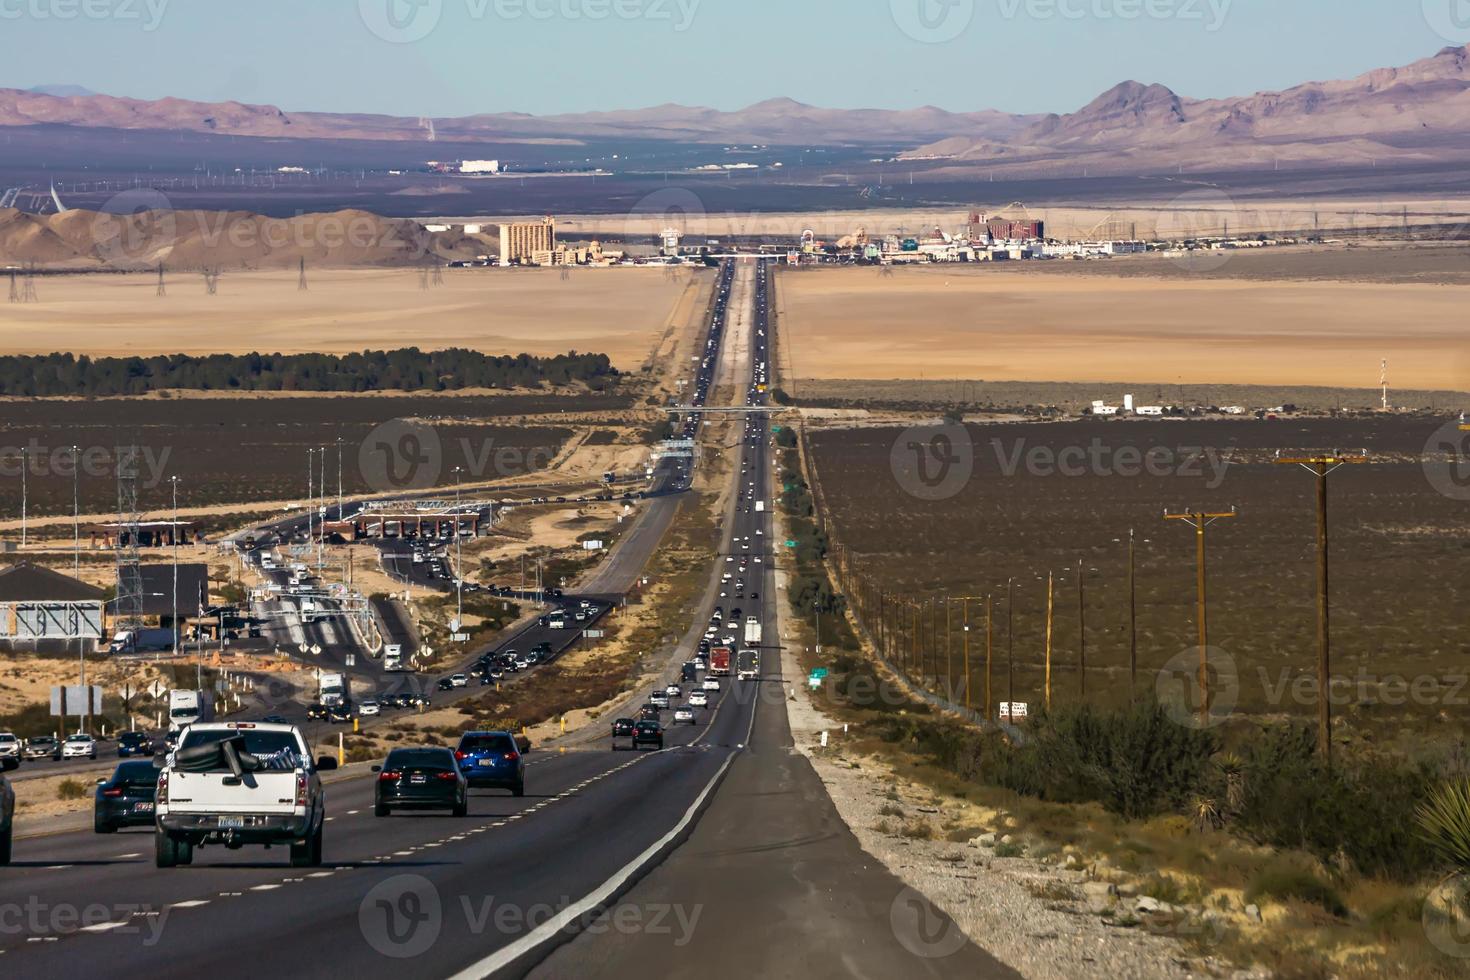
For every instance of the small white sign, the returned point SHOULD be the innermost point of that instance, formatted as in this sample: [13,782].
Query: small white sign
[460,637]
[1010,710]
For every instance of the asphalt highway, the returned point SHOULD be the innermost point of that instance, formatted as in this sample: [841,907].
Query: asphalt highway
[718,854]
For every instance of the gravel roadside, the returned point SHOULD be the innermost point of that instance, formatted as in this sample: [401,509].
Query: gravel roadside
[1031,915]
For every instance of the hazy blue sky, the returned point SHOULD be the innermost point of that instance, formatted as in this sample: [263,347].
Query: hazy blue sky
[545,56]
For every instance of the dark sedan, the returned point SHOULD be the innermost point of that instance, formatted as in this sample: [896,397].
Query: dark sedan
[126,799]
[420,779]
[648,733]
[622,728]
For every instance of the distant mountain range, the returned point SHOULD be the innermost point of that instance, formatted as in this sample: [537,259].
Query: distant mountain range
[1417,113]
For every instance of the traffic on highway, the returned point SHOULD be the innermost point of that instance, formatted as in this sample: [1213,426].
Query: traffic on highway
[251,819]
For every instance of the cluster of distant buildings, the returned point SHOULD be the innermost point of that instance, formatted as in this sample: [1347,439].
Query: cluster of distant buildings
[468,167]
[1131,409]
[530,243]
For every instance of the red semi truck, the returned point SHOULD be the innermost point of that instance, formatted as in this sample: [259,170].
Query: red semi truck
[719,662]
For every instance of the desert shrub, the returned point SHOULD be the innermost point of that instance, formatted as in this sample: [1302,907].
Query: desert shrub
[71,789]
[1136,762]
[1286,881]
[1363,809]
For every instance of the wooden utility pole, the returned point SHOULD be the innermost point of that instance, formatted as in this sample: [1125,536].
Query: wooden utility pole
[1010,643]
[948,652]
[1132,624]
[989,633]
[1200,520]
[1321,466]
[1049,596]
[1081,637]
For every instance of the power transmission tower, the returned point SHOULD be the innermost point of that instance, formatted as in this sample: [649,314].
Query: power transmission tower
[162,286]
[14,288]
[438,274]
[1322,465]
[211,281]
[129,603]
[28,295]
[424,279]
[301,283]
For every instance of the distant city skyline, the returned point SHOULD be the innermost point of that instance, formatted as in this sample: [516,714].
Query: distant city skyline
[461,57]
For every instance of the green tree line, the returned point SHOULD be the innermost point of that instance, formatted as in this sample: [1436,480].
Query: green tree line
[407,369]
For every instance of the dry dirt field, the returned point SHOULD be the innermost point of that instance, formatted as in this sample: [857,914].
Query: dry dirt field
[1065,321]
[619,312]
[1401,611]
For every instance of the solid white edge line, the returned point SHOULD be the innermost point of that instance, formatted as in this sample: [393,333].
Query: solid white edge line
[509,954]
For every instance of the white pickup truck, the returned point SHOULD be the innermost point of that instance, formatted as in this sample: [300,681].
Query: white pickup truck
[238,783]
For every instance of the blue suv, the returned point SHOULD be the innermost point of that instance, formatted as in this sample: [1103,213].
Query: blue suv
[492,759]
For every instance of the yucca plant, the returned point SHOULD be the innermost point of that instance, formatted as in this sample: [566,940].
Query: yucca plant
[1233,768]
[1206,814]
[1444,822]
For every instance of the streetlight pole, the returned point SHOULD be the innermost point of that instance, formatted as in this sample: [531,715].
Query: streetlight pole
[1199,520]
[458,559]
[24,465]
[76,513]
[310,494]
[173,540]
